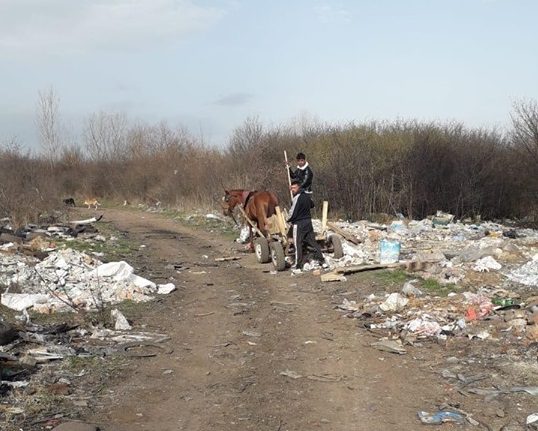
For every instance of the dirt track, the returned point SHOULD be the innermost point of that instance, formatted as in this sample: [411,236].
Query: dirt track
[254,350]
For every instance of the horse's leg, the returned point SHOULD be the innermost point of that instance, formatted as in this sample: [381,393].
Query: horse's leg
[262,219]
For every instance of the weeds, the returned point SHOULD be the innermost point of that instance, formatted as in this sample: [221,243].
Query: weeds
[433,287]
[394,277]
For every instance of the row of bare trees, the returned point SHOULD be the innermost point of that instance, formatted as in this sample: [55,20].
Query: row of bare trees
[407,167]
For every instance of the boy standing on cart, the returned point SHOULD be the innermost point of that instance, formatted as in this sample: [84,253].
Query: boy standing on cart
[301,221]
[303,173]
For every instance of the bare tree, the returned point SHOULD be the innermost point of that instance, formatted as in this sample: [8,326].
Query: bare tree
[105,136]
[525,129]
[48,122]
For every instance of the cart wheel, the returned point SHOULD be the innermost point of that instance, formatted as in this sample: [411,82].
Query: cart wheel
[261,248]
[277,256]
[336,242]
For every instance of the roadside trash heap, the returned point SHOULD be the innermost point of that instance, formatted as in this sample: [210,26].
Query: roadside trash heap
[69,280]
[489,274]
[452,253]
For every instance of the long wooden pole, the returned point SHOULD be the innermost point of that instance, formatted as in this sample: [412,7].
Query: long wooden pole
[288,171]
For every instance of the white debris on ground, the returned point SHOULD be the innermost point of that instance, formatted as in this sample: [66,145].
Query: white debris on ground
[489,259]
[70,280]
[454,248]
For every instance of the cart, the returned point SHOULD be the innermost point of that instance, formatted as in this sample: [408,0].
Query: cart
[276,246]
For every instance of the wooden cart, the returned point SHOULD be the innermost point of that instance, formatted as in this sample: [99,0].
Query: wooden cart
[276,246]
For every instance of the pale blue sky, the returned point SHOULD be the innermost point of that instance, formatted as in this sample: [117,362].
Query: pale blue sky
[210,64]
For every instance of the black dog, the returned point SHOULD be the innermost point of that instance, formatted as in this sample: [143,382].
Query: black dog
[70,202]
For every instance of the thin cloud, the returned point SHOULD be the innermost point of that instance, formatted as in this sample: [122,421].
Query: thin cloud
[67,27]
[329,12]
[234,99]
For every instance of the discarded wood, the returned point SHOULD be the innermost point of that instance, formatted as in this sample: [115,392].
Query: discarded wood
[124,348]
[204,314]
[324,378]
[284,303]
[360,268]
[332,276]
[87,221]
[224,259]
[343,233]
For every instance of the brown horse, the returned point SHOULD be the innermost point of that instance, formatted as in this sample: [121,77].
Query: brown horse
[258,206]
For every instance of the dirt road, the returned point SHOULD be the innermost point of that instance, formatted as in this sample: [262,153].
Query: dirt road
[255,350]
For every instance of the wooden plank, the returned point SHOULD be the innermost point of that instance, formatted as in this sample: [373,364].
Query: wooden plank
[324,213]
[281,222]
[332,276]
[225,259]
[359,268]
[343,233]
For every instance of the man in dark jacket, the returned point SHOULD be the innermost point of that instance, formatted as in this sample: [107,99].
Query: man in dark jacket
[303,173]
[301,220]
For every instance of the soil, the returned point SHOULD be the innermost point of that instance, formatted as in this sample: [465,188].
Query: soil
[255,350]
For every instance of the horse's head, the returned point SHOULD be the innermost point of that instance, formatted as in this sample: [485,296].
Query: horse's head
[229,202]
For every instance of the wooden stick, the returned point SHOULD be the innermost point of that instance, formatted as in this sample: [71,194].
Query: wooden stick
[343,233]
[288,171]
[359,268]
[254,226]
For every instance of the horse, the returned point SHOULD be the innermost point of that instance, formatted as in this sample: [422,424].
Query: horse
[258,206]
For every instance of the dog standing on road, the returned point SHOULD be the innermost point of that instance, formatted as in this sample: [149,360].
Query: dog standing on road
[70,202]
[92,202]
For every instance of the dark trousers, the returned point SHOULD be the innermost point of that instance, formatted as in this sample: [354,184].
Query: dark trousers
[303,233]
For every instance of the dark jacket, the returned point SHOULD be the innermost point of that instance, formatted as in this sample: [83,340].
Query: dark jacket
[304,175]
[301,205]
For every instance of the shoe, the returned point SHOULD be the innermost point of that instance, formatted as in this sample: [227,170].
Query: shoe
[323,264]
[296,270]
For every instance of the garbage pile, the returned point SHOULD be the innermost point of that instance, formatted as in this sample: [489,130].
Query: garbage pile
[35,274]
[451,253]
[410,315]
[68,280]
[489,270]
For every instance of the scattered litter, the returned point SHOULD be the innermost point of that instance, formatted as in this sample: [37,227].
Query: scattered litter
[440,418]
[291,374]
[486,264]
[165,289]
[121,323]
[252,333]
[532,419]
[389,346]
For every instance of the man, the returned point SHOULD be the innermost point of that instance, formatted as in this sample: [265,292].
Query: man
[301,220]
[303,173]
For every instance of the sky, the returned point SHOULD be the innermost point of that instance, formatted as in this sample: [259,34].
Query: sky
[209,65]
